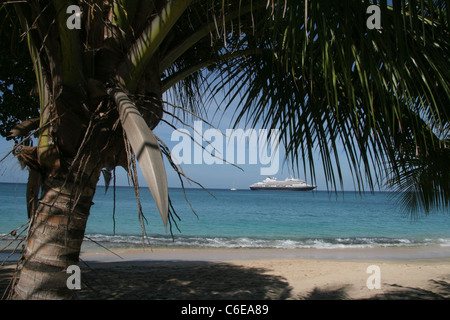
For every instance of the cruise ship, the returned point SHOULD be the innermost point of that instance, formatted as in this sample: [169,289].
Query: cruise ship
[289,184]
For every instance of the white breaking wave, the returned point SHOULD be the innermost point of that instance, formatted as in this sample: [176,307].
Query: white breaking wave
[247,242]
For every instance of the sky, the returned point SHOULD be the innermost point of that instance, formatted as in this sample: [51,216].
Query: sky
[210,176]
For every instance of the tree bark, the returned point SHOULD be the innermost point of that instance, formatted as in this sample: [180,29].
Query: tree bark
[55,236]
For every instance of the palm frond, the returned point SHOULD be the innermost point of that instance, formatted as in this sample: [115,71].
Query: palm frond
[334,85]
[373,98]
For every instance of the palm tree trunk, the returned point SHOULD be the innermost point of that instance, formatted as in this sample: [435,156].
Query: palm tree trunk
[54,240]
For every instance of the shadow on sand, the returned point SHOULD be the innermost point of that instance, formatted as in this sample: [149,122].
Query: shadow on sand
[179,280]
[199,280]
[439,290]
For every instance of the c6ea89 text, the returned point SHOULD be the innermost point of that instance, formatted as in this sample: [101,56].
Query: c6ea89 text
[230,309]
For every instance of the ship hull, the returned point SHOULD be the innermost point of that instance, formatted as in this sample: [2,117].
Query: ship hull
[282,188]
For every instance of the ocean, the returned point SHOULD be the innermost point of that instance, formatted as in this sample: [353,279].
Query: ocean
[246,219]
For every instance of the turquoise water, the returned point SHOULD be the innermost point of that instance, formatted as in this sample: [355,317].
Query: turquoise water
[249,219]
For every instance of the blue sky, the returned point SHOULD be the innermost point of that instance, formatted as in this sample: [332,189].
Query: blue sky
[210,176]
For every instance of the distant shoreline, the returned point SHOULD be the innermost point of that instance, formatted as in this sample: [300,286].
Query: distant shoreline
[228,189]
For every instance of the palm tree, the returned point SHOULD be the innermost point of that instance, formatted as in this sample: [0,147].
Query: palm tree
[311,68]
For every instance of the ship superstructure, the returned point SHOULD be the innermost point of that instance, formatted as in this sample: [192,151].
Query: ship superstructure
[290,184]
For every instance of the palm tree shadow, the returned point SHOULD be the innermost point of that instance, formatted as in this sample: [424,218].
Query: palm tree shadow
[329,293]
[176,280]
[7,272]
[197,280]
[439,290]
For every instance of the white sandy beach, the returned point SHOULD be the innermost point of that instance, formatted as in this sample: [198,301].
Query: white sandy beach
[264,274]
[248,274]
